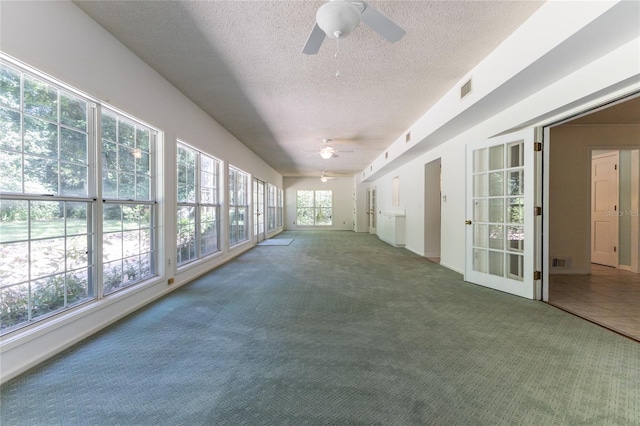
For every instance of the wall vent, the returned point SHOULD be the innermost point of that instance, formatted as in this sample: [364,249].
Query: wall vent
[559,262]
[465,89]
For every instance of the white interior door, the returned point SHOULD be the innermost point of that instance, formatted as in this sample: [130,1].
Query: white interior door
[604,208]
[502,227]
[258,209]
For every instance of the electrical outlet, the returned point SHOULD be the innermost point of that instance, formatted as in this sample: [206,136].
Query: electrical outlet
[171,280]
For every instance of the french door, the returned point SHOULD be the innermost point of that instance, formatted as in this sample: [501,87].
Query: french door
[258,209]
[371,210]
[503,219]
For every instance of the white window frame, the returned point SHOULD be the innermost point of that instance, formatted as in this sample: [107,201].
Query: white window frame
[272,205]
[77,256]
[314,209]
[198,204]
[238,185]
[280,209]
[145,252]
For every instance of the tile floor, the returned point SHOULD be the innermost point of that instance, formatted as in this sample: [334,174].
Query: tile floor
[609,297]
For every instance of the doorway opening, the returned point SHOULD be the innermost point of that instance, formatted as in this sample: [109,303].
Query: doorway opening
[593,172]
[432,209]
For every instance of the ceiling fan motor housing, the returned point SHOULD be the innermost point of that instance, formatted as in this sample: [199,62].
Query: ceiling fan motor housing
[338,18]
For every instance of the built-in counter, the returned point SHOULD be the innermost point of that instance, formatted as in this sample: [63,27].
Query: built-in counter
[391,227]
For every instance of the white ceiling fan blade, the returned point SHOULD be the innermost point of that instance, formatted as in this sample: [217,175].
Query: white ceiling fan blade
[312,46]
[381,24]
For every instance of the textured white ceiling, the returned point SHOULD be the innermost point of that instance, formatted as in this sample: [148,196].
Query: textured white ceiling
[241,62]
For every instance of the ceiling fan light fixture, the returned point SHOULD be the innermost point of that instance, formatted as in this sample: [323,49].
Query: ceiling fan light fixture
[327,152]
[338,18]
[324,179]
[326,155]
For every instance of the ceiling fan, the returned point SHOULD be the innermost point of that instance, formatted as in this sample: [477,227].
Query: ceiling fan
[327,151]
[338,18]
[324,178]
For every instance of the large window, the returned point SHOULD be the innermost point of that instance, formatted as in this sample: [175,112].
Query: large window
[314,207]
[272,203]
[238,206]
[49,199]
[128,218]
[198,204]
[280,208]
[274,207]
[46,228]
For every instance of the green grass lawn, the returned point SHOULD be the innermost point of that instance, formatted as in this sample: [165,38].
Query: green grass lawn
[18,230]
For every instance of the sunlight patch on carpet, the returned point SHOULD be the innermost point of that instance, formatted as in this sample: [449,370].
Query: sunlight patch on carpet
[276,242]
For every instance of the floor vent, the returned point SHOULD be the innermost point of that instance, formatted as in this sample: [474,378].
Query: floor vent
[465,89]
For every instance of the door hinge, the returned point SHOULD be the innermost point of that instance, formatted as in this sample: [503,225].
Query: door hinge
[615,249]
[537,211]
[537,146]
[537,275]
[615,167]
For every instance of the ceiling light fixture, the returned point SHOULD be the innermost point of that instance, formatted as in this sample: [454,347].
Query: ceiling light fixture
[339,18]
[327,152]
[324,178]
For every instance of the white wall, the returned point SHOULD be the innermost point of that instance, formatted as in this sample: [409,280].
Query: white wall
[59,39]
[545,44]
[343,202]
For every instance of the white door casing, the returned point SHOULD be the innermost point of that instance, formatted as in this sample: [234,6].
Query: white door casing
[503,226]
[604,208]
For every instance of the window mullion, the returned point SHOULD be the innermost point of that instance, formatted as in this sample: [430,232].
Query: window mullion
[198,182]
[29,256]
[95,180]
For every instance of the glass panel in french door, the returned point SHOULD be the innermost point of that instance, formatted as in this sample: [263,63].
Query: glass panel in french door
[498,210]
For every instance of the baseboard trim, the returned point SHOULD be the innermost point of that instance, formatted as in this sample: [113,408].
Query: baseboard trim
[556,271]
[461,272]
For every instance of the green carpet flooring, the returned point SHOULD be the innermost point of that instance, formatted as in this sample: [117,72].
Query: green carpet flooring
[337,328]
